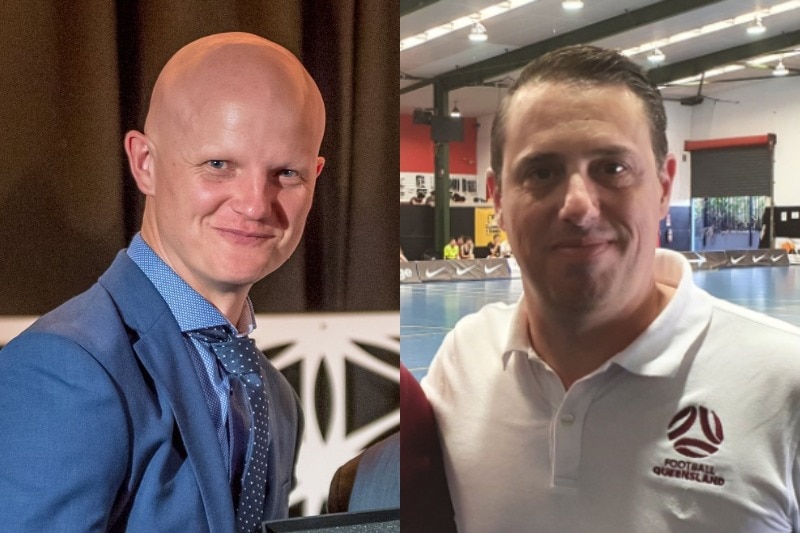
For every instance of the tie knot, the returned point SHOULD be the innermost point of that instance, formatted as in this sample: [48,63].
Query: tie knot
[238,355]
[212,335]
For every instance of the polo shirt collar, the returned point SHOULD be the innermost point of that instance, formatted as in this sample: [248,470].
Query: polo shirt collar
[660,349]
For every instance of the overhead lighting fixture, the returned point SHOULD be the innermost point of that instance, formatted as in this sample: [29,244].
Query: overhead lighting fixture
[780,69]
[478,33]
[769,58]
[462,22]
[656,56]
[694,80]
[572,5]
[713,27]
[760,60]
[756,28]
[456,112]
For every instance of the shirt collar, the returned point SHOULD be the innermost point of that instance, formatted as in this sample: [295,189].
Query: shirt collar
[190,309]
[660,349]
[518,340]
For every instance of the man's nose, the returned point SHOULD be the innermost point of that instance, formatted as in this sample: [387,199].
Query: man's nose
[253,195]
[581,205]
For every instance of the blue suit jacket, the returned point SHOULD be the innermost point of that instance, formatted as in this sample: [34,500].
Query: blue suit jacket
[377,481]
[104,427]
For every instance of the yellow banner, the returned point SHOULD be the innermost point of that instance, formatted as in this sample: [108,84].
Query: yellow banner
[485,227]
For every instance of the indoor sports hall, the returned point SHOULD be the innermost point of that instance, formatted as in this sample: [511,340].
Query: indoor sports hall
[646,378]
[727,71]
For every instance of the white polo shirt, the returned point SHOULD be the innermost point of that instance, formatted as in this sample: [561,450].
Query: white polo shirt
[694,427]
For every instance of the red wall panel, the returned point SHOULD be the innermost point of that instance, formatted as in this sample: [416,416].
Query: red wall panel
[416,148]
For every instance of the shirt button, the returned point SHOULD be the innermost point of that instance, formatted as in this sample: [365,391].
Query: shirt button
[567,419]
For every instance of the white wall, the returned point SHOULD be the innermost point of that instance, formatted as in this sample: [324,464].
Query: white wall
[679,124]
[771,106]
[482,150]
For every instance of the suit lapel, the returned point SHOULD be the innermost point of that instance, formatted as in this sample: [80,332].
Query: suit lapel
[163,353]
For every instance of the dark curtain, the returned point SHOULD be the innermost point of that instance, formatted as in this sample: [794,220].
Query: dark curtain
[77,75]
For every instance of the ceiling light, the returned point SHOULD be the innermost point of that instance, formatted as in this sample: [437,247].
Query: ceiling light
[572,5]
[694,80]
[456,112]
[760,60]
[656,56]
[746,18]
[462,22]
[478,33]
[780,69]
[756,28]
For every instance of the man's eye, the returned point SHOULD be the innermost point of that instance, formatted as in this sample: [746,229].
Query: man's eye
[217,164]
[288,174]
[541,174]
[612,168]
[612,173]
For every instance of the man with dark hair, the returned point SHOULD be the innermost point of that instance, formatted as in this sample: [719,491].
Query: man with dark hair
[615,395]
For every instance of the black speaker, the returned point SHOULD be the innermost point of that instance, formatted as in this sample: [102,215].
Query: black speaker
[447,129]
[421,116]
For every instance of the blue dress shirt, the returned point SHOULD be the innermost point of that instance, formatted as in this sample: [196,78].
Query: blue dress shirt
[193,312]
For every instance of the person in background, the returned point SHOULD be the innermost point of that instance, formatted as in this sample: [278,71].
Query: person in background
[494,246]
[467,250]
[505,248]
[142,404]
[614,395]
[451,250]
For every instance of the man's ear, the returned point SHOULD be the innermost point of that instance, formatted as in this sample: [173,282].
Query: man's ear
[493,184]
[667,178]
[320,165]
[140,158]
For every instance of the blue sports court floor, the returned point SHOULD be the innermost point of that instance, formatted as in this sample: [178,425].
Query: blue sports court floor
[429,310]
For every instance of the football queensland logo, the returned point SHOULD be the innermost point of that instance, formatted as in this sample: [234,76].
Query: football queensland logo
[695,432]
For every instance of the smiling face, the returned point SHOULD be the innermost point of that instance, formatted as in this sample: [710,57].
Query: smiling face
[228,164]
[581,198]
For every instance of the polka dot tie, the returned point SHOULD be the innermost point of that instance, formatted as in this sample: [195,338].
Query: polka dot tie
[241,358]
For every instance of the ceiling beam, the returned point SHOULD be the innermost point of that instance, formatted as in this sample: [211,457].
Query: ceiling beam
[480,72]
[415,86]
[700,64]
[409,6]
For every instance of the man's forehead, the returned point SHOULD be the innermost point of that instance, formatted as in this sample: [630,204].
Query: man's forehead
[566,88]
[231,70]
[551,99]
[232,64]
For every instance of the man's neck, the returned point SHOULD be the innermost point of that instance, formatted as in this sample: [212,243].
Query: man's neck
[575,346]
[233,306]
[229,300]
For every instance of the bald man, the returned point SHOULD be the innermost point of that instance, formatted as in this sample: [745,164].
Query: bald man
[115,414]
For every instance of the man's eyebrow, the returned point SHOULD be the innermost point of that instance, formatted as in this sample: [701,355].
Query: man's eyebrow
[551,156]
[612,151]
[538,158]
[535,159]
[531,162]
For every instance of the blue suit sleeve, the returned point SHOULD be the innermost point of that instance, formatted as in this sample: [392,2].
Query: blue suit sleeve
[64,439]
